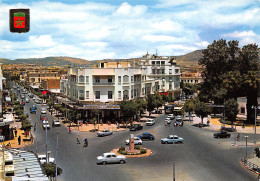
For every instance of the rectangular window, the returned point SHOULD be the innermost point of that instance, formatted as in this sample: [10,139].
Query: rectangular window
[119,79]
[87,94]
[162,62]
[132,78]
[158,62]
[110,94]
[153,62]
[170,85]
[170,71]
[97,79]
[87,79]
[153,71]
[243,110]
[163,71]
[176,71]
[119,94]
[97,94]
[81,78]
[170,79]
[109,79]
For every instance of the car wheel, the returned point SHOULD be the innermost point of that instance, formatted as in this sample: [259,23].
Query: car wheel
[139,143]
[104,163]
[162,142]
[166,142]
[122,161]
[151,138]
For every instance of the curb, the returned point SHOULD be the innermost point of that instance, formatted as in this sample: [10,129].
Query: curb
[244,145]
[133,156]
[245,166]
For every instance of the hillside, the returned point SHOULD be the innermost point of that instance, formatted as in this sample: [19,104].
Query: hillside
[187,60]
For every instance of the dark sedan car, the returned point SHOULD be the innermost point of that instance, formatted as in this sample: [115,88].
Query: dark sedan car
[222,134]
[136,127]
[146,135]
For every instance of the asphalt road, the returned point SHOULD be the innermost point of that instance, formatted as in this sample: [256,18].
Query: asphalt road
[199,158]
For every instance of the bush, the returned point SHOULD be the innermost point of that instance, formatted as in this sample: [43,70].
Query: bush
[143,151]
[123,153]
[121,149]
[137,147]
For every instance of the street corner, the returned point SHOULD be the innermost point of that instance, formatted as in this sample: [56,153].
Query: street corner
[148,153]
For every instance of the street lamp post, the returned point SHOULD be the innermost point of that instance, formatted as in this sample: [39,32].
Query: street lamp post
[98,121]
[246,147]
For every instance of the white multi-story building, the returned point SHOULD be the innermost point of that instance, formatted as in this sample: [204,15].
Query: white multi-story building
[112,82]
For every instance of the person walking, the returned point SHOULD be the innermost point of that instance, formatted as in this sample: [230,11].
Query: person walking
[238,137]
[69,130]
[15,133]
[19,139]
[85,142]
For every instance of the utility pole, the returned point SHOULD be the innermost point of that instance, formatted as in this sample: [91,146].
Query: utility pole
[36,144]
[46,145]
[57,148]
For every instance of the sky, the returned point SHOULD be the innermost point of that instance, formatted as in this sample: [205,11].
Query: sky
[118,29]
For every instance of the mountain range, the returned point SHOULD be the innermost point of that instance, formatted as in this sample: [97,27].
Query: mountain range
[187,60]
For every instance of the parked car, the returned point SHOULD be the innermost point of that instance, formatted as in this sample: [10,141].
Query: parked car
[168,120]
[43,111]
[56,123]
[104,132]
[146,135]
[150,122]
[22,96]
[136,127]
[137,141]
[22,103]
[42,159]
[222,134]
[172,139]
[171,116]
[30,95]
[27,100]
[110,158]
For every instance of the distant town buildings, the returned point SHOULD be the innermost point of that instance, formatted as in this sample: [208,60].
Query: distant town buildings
[191,77]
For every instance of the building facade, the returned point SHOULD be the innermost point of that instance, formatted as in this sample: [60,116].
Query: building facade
[112,82]
[191,77]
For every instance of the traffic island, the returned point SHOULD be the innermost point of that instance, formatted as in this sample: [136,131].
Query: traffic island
[140,152]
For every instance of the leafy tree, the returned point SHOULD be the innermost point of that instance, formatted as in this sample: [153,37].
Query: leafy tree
[158,100]
[231,109]
[26,125]
[50,170]
[189,106]
[201,110]
[230,71]
[141,105]
[150,103]
[128,110]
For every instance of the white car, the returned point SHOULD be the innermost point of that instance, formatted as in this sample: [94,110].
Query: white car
[171,116]
[46,126]
[150,122]
[104,132]
[56,123]
[42,159]
[110,158]
[43,111]
[27,100]
[168,120]
[45,122]
[137,141]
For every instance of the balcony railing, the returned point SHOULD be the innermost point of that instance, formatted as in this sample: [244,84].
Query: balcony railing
[103,83]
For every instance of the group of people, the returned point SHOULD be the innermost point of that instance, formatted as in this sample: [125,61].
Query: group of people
[85,141]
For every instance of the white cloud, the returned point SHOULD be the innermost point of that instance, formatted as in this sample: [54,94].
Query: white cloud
[241,34]
[127,10]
